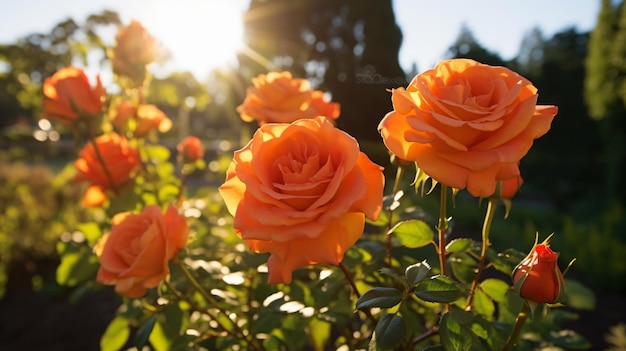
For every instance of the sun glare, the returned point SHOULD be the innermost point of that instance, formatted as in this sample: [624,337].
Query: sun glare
[202,35]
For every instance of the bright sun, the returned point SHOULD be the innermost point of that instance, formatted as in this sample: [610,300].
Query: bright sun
[201,34]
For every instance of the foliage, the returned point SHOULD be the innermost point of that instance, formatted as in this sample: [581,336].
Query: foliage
[36,209]
[605,92]
[26,63]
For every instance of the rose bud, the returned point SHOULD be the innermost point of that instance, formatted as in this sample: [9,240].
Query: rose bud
[538,277]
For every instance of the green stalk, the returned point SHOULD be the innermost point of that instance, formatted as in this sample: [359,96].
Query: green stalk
[394,191]
[442,228]
[517,327]
[491,210]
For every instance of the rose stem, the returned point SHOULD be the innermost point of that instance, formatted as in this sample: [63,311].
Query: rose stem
[491,210]
[517,328]
[394,191]
[442,227]
[348,276]
[104,166]
[208,297]
[355,291]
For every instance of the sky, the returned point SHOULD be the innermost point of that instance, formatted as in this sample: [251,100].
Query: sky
[429,27]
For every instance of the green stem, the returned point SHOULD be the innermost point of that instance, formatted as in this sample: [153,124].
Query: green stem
[355,291]
[92,140]
[348,276]
[208,297]
[442,228]
[211,300]
[394,191]
[517,327]
[491,210]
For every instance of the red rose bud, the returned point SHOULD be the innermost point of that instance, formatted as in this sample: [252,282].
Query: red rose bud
[538,277]
[190,149]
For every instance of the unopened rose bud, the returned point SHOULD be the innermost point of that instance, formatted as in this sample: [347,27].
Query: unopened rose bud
[538,277]
[190,149]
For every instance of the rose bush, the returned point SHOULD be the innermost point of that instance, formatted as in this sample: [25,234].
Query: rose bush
[69,96]
[278,97]
[134,255]
[466,124]
[301,192]
[121,160]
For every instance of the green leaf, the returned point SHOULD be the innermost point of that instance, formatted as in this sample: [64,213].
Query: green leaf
[413,233]
[389,332]
[78,264]
[165,169]
[158,153]
[417,272]
[495,288]
[569,339]
[579,296]
[167,328]
[463,266]
[482,304]
[438,288]
[453,335]
[91,231]
[168,193]
[393,274]
[116,334]
[382,297]
[319,333]
[141,338]
[459,245]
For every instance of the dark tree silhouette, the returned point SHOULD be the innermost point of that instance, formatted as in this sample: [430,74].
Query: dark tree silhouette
[466,46]
[565,164]
[605,91]
[348,48]
[32,59]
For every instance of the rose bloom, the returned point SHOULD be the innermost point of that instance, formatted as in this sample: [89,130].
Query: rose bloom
[134,255]
[466,124]
[301,192]
[509,187]
[69,96]
[148,117]
[135,48]
[122,161]
[191,149]
[538,277]
[279,98]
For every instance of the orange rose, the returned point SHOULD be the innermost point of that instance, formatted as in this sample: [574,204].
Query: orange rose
[538,277]
[69,96]
[466,124]
[135,48]
[134,255]
[190,149]
[279,98]
[509,187]
[121,162]
[301,192]
[147,116]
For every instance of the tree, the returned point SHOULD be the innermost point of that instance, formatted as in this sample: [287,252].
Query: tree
[605,91]
[24,65]
[570,151]
[348,47]
[466,46]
